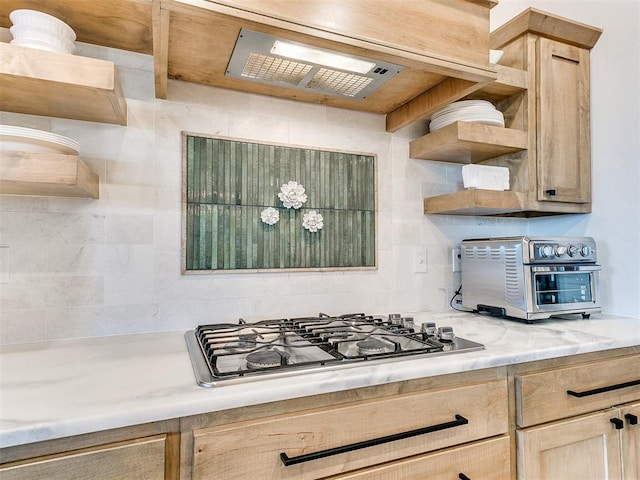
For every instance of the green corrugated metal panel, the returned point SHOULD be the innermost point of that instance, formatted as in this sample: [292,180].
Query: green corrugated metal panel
[229,183]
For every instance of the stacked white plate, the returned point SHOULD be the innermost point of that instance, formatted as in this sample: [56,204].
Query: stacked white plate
[479,111]
[42,31]
[36,141]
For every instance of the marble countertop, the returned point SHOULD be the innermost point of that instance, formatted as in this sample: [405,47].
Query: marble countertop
[60,388]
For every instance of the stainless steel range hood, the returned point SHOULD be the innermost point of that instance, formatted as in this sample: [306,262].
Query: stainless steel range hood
[258,58]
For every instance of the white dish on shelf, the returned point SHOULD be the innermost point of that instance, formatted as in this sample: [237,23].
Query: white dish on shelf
[42,20]
[37,45]
[478,111]
[461,105]
[35,37]
[495,56]
[35,141]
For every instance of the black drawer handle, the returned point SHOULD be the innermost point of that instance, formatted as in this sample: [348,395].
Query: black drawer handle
[462,476]
[460,420]
[595,391]
[619,424]
[631,418]
[551,192]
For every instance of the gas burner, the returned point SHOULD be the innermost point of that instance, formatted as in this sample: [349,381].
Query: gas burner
[371,346]
[266,359]
[272,348]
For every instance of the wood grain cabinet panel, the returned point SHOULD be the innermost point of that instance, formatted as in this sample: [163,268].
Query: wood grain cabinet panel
[544,396]
[630,441]
[486,460]
[564,146]
[253,449]
[140,459]
[578,449]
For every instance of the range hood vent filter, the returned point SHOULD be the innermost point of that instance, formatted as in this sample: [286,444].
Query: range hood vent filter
[252,60]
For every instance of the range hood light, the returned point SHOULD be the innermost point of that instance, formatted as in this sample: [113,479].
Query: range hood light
[320,57]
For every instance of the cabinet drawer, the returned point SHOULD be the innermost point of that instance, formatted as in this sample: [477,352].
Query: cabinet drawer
[563,392]
[254,449]
[134,459]
[488,460]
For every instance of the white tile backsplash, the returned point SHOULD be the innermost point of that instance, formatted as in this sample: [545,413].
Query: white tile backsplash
[83,267]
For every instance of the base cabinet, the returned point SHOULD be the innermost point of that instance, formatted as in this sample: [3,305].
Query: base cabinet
[140,459]
[580,422]
[381,438]
[630,441]
[586,447]
[487,460]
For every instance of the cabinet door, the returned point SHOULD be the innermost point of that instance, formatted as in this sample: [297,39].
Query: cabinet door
[488,460]
[318,443]
[564,149]
[581,448]
[141,459]
[630,441]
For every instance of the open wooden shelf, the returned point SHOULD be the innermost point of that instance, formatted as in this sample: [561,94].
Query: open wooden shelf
[53,84]
[475,202]
[467,142]
[510,81]
[46,174]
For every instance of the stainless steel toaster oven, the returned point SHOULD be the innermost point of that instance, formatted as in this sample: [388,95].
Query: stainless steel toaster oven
[530,278]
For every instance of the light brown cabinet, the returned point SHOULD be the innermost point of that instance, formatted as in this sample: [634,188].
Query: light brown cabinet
[136,459]
[322,442]
[575,422]
[143,452]
[551,172]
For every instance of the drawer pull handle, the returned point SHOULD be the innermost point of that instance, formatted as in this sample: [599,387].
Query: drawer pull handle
[595,391]
[460,420]
[462,476]
[631,418]
[619,424]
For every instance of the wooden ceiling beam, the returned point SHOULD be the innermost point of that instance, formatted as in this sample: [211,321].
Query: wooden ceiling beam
[160,22]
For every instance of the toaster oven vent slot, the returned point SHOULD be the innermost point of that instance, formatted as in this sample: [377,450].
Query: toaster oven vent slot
[513,292]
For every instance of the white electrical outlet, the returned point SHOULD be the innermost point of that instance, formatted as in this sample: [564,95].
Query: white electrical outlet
[456,260]
[420,260]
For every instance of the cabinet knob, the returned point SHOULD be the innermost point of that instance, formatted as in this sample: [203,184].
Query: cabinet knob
[551,191]
[631,418]
[619,424]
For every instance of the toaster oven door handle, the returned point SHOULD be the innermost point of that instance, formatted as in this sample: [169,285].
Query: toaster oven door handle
[570,267]
[286,460]
[608,388]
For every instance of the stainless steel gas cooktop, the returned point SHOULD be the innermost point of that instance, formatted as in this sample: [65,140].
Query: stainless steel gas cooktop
[230,353]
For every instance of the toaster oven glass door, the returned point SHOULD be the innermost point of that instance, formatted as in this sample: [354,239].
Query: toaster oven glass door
[559,286]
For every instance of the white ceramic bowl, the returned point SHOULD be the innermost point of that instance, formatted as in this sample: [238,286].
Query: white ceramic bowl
[42,20]
[27,34]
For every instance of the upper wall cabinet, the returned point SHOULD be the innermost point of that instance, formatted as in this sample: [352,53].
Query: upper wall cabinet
[441,47]
[551,173]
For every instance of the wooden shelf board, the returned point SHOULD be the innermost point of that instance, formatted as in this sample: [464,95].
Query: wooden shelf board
[510,81]
[46,174]
[53,84]
[475,202]
[467,142]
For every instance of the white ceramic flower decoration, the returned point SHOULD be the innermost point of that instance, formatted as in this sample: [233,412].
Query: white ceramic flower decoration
[312,221]
[270,216]
[292,195]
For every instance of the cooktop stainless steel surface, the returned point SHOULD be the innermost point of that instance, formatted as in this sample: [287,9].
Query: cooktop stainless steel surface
[230,353]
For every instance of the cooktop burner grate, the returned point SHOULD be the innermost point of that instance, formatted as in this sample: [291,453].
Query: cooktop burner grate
[268,348]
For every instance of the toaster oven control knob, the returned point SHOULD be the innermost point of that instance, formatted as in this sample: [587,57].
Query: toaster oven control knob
[445,334]
[585,251]
[573,250]
[560,250]
[546,251]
